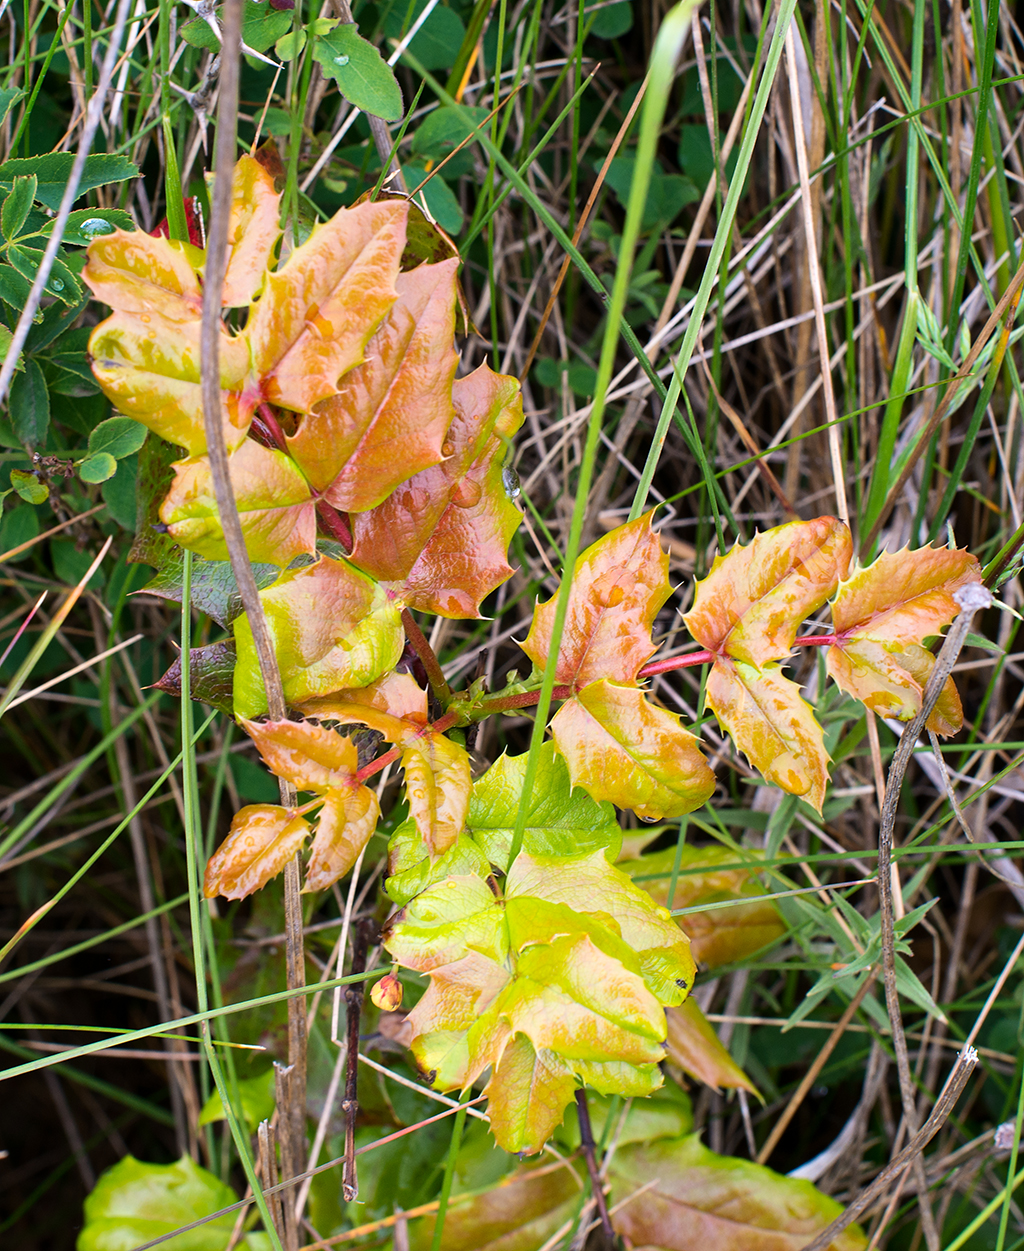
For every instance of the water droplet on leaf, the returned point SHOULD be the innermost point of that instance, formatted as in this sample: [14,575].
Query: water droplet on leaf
[341,60]
[466,493]
[510,481]
[93,226]
[56,284]
[447,448]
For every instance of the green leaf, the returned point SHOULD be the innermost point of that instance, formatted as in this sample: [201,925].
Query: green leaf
[444,129]
[261,27]
[441,202]
[289,46]
[62,282]
[6,338]
[70,565]
[28,486]
[363,76]
[134,1203]
[84,225]
[97,468]
[560,820]
[257,1099]
[211,676]
[120,493]
[117,437]
[13,287]
[29,405]
[16,206]
[55,320]
[54,169]
[437,42]
[612,20]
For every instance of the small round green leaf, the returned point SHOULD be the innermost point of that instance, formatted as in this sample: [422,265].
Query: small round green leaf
[362,74]
[97,468]
[117,437]
[29,487]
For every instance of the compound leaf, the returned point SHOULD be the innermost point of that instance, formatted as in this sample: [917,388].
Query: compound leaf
[527,1096]
[442,537]
[622,748]
[346,822]
[309,756]
[751,604]
[560,819]
[399,397]
[261,841]
[437,787]
[331,628]
[276,509]
[618,586]
[773,725]
[881,616]
[253,231]
[312,322]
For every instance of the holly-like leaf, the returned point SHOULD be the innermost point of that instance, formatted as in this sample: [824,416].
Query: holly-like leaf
[261,841]
[700,1200]
[442,537]
[622,748]
[881,616]
[618,586]
[437,787]
[527,1095]
[396,697]
[309,756]
[276,509]
[693,1045]
[721,935]
[316,313]
[563,979]
[400,397]
[211,673]
[134,1202]
[253,230]
[331,628]
[256,1095]
[137,273]
[346,822]
[773,725]
[148,367]
[589,884]
[751,604]
[560,820]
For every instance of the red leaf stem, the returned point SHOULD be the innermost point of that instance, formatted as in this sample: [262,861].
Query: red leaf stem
[335,523]
[435,674]
[269,420]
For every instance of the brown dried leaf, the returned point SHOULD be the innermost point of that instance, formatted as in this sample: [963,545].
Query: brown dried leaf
[693,1045]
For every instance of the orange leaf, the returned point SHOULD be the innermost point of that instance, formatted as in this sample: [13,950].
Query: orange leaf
[347,820]
[309,756]
[395,694]
[330,627]
[442,537]
[527,1095]
[389,417]
[148,367]
[437,786]
[751,604]
[696,1048]
[772,725]
[618,586]
[261,841]
[138,273]
[881,616]
[621,748]
[277,512]
[318,310]
[252,232]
